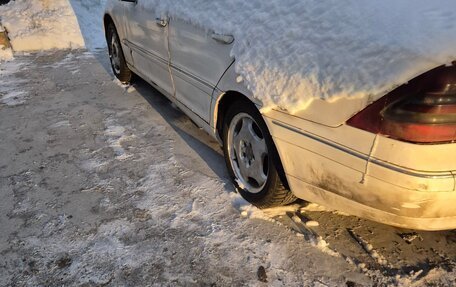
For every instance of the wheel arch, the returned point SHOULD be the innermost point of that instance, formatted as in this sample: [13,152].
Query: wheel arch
[107,19]
[223,103]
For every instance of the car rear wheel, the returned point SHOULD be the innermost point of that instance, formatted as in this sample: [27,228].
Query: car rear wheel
[252,159]
[116,55]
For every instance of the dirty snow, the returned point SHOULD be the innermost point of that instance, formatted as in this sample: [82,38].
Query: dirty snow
[75,213]
[292,51]
[6,54]
[368,248]
[150,195]
[271,214]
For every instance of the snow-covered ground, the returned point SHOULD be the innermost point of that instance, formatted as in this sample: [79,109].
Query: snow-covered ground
[101,185]
[11,92]
[104,184]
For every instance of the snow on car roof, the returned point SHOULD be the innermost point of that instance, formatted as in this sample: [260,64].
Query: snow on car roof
[292,51]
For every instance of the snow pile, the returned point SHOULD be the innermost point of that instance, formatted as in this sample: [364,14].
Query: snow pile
[292,51]
[41,25]
[57,24]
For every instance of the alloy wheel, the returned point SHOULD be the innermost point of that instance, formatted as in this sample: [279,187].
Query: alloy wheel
[248,153]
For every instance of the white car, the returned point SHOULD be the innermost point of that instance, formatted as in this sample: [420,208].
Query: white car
[391,161]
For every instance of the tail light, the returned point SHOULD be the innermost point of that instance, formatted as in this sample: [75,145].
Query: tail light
[422,111]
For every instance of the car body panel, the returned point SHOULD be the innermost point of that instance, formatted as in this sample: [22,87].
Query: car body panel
[341,179]
[198,62]
[421,157]
[148,43]
[229,85]
[439,209]
[325,160]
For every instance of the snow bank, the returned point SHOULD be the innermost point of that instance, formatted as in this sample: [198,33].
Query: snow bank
[292,51]
[54,24]
[41,25]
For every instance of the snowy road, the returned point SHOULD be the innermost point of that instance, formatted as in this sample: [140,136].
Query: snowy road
[108,185]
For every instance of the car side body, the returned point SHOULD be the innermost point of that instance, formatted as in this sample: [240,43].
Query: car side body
[325,159]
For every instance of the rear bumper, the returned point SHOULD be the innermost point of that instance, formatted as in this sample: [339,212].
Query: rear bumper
[334,176]
[439,208]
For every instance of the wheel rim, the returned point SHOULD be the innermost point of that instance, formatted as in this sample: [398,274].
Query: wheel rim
[248,153]
[115,54]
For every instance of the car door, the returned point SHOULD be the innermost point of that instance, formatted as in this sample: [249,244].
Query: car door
[198,60]
[147,40]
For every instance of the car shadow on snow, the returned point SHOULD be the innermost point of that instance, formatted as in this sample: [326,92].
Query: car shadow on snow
[204,145]
[371,246]
[376,249]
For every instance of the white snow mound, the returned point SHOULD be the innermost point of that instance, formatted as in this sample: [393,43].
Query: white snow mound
[54,24]
[292,51]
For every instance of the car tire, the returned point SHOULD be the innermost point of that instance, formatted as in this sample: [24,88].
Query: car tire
[252,159]
[116,56]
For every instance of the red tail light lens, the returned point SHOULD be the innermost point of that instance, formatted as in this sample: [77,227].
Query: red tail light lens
[423,111]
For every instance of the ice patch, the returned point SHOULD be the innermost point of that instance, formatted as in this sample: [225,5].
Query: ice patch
[314,207]
[71,62]
[11,93]
[269,214]
[14,98]
[60,124]
[116,137]
[312,223]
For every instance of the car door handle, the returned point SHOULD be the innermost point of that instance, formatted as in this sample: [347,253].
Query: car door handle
[224,39]
[161,22]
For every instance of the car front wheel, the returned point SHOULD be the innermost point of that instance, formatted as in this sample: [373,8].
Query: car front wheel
[116,55]
[252,159]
